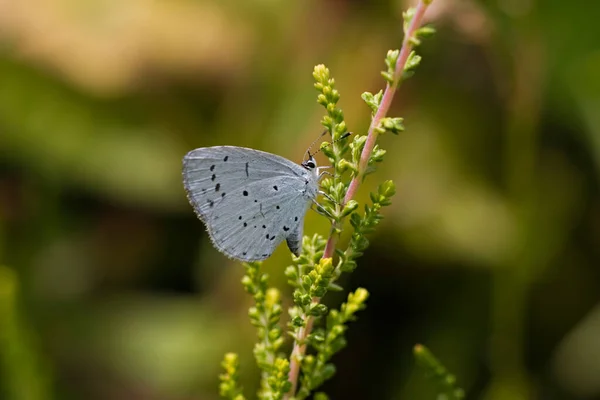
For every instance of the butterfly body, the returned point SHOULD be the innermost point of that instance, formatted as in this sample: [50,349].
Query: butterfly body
[249,200]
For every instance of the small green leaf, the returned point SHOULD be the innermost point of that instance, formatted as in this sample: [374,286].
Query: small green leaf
[306,282]
[318,310]
[377,155]
[327,149]
[388,77]
[328,372]
[394,125]
[297,322]
[355,220]
[344,165]
[425,31]
[414,41]
[373,101]
[349,208]
[357,146]
[412,62]
[334,287]
[387,189]
[316,337]
[391,59]
[291,273]
[349,266]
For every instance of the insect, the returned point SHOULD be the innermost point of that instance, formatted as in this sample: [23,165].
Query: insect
[250,200]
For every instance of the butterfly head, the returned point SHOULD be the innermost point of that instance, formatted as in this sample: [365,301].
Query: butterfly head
[310,164]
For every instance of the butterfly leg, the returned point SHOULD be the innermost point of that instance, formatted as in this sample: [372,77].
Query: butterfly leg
[324,173]
[328,197]
[322,211]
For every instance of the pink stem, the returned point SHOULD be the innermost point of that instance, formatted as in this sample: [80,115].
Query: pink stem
[386,101]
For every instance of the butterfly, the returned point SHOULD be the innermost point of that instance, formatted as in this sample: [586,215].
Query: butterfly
[250,200]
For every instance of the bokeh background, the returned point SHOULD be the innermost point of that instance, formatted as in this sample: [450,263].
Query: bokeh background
[489,255]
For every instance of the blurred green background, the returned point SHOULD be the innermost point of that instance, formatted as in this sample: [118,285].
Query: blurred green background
[109,287]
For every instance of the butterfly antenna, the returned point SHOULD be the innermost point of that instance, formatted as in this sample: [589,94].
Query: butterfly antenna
[344,136]
[313,143]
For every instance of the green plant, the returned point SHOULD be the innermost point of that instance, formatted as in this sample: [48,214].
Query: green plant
[314,272]
[445,381]
[25,373]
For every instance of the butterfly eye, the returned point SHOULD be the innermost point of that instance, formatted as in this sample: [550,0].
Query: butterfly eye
[310,163]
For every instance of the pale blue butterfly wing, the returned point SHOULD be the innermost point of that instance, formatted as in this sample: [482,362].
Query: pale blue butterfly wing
[249,200]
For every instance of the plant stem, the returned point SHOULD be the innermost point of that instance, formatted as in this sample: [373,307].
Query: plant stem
[386,101]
